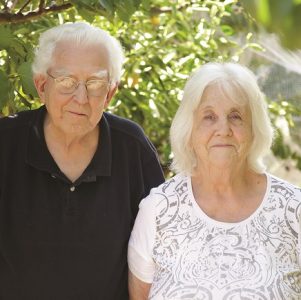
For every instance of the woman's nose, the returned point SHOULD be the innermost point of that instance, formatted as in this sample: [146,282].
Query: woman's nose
[224,127]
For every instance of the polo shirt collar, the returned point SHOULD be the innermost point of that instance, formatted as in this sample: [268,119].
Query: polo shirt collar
[39,156]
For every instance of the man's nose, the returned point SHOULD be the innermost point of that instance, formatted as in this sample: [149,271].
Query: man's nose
[81,93]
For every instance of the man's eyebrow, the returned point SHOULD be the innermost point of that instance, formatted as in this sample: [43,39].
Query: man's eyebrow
[61,72]
[204,108]
[100,73]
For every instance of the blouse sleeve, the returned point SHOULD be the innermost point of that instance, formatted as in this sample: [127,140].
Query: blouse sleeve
[142,241]
[298,215]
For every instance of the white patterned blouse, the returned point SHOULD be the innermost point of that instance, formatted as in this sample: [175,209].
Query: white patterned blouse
[187,255]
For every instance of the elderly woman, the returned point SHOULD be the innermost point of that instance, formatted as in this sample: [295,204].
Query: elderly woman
[222,228]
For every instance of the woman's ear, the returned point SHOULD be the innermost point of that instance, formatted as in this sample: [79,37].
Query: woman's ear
[110,94]
[39,82]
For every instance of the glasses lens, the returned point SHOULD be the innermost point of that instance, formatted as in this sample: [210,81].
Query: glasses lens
[97,87]
[66,85]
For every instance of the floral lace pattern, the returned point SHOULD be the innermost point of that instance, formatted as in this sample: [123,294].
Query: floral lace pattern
[199,258]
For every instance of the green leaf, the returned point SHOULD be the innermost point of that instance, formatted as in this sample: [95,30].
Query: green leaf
[255,46]
[228,30]
[86,14]
[19,48]
[6,37]
[263,12]
[125,9]
[4,89]
[145,4]
[107,5]
[25,73]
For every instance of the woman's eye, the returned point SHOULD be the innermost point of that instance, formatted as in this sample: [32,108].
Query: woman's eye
[235,117]
[209,117]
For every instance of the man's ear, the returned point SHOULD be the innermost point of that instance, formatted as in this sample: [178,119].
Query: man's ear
[39,82]
[110,94]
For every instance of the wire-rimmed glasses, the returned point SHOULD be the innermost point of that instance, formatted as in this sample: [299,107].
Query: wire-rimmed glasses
[68,85]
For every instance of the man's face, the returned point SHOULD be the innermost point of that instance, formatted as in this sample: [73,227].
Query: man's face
[78,112]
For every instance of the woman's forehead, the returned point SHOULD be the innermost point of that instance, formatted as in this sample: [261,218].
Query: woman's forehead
[224,92]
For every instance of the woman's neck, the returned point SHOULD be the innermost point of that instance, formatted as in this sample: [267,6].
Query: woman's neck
[228,196]
[222,179]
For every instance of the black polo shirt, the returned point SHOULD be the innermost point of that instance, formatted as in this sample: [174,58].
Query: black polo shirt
[61,240]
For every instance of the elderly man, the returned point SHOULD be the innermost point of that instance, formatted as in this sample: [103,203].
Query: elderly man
[71,175]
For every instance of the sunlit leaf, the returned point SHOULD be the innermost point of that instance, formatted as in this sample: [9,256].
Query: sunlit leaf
[25,73]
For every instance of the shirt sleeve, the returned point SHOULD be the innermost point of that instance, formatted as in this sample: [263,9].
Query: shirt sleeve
[299,242]
[299,227]
[142,240]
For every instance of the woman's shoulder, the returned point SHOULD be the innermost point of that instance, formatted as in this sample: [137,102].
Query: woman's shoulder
[171,185]
[172,190]
[279,185]
[284,198]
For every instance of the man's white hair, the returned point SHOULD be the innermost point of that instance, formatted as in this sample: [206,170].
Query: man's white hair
[77,34]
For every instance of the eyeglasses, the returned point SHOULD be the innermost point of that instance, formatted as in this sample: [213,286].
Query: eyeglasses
[68,85]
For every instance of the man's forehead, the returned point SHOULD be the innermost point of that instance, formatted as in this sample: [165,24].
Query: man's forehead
[93,56]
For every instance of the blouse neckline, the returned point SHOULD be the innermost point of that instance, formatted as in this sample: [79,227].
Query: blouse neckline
[214,222]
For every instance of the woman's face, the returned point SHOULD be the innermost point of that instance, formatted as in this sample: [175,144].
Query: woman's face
[222,131]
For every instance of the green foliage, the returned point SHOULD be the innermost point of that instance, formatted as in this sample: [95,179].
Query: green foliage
[164,41]
[282,17]
[287,111]
[163,46]
[88,9]
[15,76]
[4,88]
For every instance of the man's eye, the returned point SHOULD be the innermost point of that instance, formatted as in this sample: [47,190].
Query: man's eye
[67,82]
[95,84]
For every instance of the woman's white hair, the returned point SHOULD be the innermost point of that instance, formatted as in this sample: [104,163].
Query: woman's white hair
[239,84]
[78,33]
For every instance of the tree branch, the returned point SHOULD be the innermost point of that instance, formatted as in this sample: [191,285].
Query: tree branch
[22,18]
[26,3]
[41,5]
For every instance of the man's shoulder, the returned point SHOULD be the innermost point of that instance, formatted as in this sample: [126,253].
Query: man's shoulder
[123,125]
[17,120]
[126,128]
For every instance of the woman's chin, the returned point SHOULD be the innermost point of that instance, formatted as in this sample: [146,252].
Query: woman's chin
[223,163]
